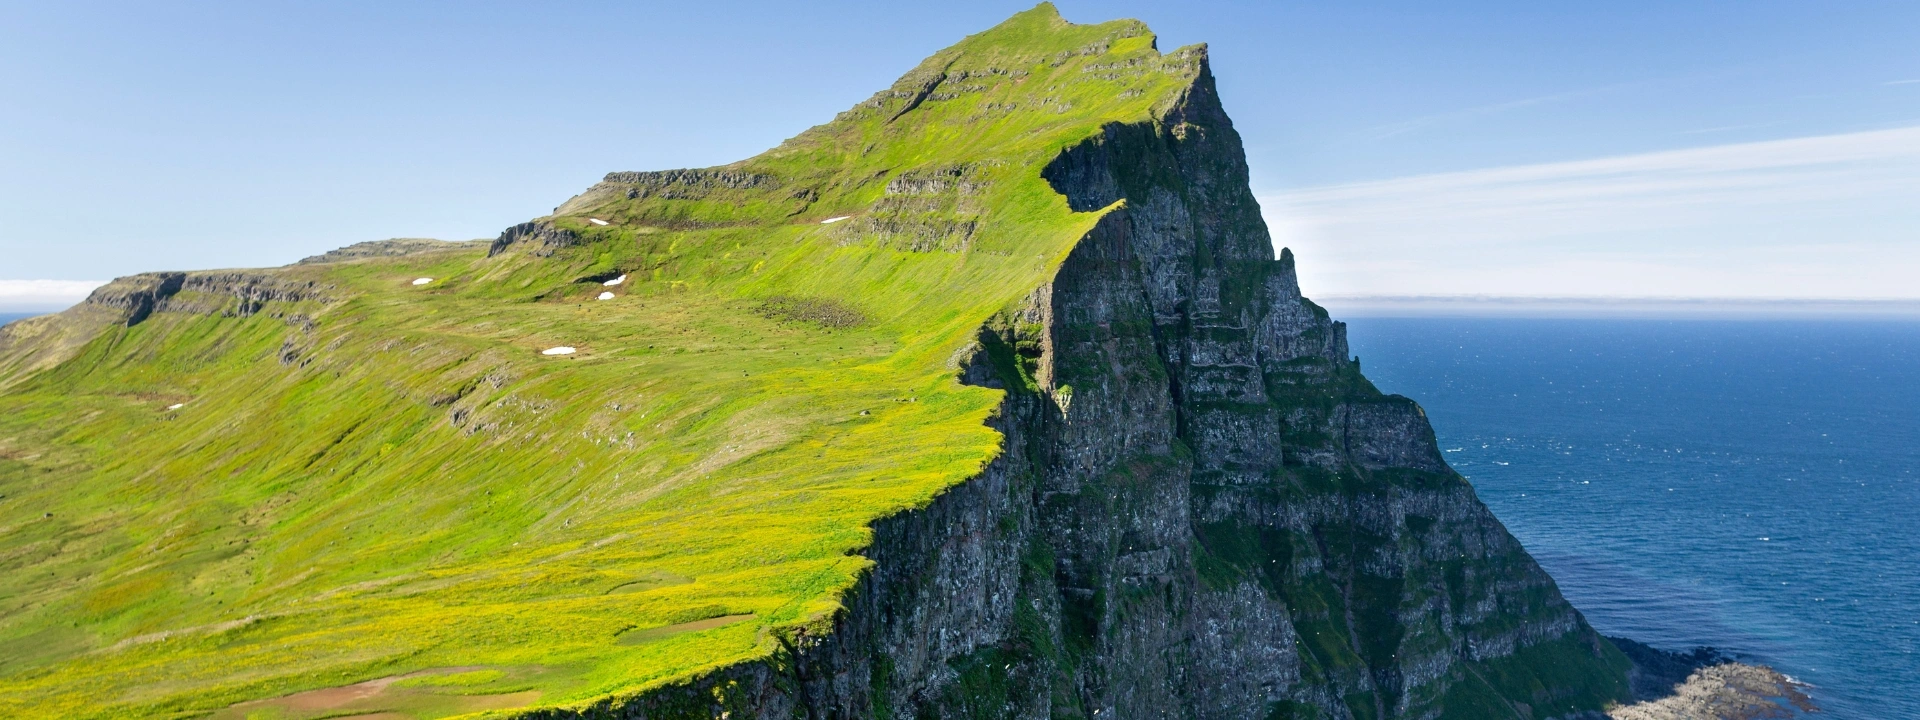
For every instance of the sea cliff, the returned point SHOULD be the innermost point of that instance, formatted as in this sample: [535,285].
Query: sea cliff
[1201,507]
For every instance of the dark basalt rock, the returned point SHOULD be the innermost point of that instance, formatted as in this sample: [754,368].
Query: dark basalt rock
[253,291]
[138,295]
[542,237]
[231,293]
[689,183]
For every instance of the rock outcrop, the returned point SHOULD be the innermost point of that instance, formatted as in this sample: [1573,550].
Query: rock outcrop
[672,182]
[1705,684]
[138,295]
[542,237]
[395,247]
[232,293]
[1727,691]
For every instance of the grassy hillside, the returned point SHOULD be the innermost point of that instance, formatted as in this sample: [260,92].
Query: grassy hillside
[383,479]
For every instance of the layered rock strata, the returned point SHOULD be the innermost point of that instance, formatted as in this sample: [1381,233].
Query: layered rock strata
[231,293]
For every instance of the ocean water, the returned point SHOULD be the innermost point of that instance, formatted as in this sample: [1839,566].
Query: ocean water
[1749,485]
[10,317]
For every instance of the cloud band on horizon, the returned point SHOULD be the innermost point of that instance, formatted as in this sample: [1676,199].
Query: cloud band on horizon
[1827,216]
[43,295]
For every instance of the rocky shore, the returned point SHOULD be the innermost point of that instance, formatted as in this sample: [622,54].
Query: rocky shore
[1705,684]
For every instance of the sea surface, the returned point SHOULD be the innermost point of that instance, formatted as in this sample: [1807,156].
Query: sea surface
[1745,484]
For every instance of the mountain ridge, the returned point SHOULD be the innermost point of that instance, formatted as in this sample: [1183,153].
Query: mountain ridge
[1084,423]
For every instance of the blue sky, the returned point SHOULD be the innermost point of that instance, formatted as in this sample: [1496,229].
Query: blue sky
[1752,149]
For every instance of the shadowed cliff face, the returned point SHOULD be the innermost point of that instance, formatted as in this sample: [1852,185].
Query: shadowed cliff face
[1202,508]
[1222,517]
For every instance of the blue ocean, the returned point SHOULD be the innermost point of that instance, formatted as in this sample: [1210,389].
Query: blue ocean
[1750,485]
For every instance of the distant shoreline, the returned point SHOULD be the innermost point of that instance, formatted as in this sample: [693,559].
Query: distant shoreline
[1621,308]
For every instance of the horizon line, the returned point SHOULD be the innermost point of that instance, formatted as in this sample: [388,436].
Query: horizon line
[1605,307]
[1620,298]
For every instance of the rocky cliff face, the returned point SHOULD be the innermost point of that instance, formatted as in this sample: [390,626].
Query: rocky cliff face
[229,293]
[1202,509]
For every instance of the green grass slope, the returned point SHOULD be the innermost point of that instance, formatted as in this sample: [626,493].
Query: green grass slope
[383,479]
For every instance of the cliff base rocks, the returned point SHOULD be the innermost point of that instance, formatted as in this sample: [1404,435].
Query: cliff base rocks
[1705,684]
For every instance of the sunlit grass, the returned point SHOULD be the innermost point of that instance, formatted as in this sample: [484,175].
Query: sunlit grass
[405,483]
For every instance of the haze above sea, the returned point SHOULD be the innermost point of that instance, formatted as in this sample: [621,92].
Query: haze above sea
[1746,484]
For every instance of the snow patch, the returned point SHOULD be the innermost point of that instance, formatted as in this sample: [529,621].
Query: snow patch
[422,281]
[596,221]
[562,350]
[832,220]
[606,296]
[176,406]
[615,281]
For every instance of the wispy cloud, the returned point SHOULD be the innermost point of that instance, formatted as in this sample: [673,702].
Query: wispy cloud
[1901,82]
[1820,216]
[37,295]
